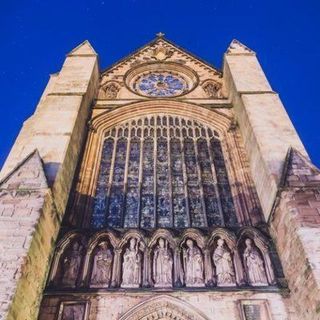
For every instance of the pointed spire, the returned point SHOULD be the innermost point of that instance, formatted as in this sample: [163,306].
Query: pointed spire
[83,49]
[299,171]
[236,47]
[28,174]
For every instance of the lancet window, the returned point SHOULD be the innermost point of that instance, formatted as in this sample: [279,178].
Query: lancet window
[162,171]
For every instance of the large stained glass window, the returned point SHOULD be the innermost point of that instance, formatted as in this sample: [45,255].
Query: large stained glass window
[162,172]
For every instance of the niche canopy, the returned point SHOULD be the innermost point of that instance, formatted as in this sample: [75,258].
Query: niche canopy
[161,80]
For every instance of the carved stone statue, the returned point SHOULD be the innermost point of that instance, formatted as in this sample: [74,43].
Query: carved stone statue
[224,266]
[213,90]
[102,266]
[193,265]
[162,265]
[254,265]
[131,267]
[71,266]
[111,91]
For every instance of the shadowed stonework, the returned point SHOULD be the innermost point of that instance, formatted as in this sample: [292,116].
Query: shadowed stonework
[162,188]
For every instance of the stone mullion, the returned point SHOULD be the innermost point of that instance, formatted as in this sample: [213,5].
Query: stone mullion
[178,279]
[240,275]
[145,194]
[85,272]
[185,180]
[203,204]
[215,181]
[140,172]
[155,156]
[109,185]
[208,270]
[116,270]
[170,172]
[125,178]
[226,187]
[100,191]
[146,276]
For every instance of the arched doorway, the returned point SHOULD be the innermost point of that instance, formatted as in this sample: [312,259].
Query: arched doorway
[163,308]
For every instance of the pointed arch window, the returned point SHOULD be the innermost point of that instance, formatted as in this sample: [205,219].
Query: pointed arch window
[162,171]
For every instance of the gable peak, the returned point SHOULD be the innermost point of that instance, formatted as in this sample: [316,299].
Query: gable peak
[160,49]
[299,171]
[236,47]
[83,49]
[28,174]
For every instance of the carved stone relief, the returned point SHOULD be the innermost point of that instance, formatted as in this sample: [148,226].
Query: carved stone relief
[72,311]
[254,265]
[193,265]
[71,265]
[162,265]
[254,310]
[110,90]
[212,89]
[224,265]
[134,260]
[132,266]
[102,266]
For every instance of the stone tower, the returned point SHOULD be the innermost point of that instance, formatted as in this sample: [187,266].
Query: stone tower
[159,188]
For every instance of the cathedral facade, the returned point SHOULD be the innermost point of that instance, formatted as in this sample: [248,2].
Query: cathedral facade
[159,188]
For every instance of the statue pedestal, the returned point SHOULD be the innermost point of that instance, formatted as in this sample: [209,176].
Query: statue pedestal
[128,286]
[163,285]
[100,286]
[195,285]
[226,285]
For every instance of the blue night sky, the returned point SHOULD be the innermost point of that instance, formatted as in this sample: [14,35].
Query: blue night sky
[36,36]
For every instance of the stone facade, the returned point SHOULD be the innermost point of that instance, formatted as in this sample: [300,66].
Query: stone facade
[160,188]
[29,225]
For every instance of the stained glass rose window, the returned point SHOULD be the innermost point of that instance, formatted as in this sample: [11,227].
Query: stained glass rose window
[161,84]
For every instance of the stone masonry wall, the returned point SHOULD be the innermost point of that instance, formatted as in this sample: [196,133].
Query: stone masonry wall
[208,305]
[296,229]
[28,226]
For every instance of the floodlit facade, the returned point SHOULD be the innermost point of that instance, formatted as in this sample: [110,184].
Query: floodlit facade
[159,188]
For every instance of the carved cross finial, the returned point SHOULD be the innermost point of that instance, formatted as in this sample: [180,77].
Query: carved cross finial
[160,34]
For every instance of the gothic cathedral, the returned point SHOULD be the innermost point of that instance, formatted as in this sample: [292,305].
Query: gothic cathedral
[160,188]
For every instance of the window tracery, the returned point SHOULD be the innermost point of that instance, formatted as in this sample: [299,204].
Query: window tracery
[164,84]
[162,171]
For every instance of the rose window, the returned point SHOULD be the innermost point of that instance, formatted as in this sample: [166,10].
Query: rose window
[161,84]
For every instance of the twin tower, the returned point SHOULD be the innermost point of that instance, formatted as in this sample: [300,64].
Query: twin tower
[159,188]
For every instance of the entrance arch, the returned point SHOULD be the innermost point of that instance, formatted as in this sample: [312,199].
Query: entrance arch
[163,307]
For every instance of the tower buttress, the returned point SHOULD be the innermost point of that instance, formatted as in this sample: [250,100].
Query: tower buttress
[57,128]
[265,126]
[36,184]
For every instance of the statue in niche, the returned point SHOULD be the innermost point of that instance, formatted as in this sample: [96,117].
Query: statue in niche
[71,266]
[224,266]
[162,265]
[254,265]
[193,265]
[102,266]
[111,91]
[131,267]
